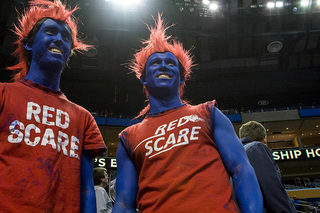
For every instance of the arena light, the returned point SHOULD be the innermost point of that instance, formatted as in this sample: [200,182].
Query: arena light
[270,5]
[136,1]
[304,3]
[127,3]
[206,2]
[279,4]
[213,6]
[318,2]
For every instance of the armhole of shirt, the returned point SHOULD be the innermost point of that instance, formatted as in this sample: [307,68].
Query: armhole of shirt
[212,117]
[124,143]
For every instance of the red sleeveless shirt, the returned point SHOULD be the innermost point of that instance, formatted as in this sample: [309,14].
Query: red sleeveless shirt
[178,164]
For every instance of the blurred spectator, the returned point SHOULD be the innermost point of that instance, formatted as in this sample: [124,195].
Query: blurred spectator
[275,198]
[100,178]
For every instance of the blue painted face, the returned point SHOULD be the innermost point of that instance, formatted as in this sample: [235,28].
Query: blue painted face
[162,72]
[52,44]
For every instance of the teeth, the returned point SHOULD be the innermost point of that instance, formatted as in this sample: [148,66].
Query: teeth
[55,50]
[163,76]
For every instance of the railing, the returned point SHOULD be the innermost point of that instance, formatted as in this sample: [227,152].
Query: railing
[305,207]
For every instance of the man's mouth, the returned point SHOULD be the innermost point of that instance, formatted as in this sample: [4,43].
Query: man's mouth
[55,50]
[164,76]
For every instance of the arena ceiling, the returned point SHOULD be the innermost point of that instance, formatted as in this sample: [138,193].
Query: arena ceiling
[243,56]
[248,57]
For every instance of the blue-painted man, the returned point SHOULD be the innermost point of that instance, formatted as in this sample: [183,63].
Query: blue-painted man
[47,142]
[180,157]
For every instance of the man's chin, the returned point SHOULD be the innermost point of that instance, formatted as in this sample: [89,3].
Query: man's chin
[163,89]
[54,63]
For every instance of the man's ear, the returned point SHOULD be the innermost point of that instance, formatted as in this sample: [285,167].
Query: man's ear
[143,80]
[27,45]
[182,80]
[265,140]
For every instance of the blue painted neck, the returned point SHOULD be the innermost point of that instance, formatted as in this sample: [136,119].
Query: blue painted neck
[49,78]
[160,105]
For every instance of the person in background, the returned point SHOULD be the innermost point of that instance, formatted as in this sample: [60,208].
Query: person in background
[47,142]
[100,179]
[275,198]
[178,159]
[112,189]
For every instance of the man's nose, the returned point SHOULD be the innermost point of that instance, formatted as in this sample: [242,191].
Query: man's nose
[163,66]
[58,39]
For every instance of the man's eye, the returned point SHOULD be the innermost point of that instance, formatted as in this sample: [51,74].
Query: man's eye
[171,63]
[155,63]
[49,31]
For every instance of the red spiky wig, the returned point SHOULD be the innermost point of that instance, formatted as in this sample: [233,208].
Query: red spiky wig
[38,10]
[160,42]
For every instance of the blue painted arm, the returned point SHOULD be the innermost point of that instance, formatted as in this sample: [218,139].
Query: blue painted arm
[126,184]
[88,197]
[231,150]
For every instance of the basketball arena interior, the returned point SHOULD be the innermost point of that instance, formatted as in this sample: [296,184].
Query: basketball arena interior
[259,59]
